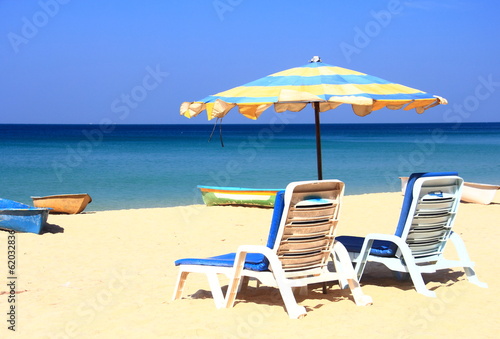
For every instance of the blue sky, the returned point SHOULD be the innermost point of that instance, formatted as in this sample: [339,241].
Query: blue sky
[135,62]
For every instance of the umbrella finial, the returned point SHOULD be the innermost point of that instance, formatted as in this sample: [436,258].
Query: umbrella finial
[315,59]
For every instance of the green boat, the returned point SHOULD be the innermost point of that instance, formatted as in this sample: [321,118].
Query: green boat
[238,196]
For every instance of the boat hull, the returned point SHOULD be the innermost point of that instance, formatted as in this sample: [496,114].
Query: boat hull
[15,216]
[479,193]
[224,196]
[63,203]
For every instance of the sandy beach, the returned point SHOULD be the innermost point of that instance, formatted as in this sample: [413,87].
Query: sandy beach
[111,275]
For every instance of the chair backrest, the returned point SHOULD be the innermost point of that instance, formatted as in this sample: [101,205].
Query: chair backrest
[307,226]
[429,209]
[279,206]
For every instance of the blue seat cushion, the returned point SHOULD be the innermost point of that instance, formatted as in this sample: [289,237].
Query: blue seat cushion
[253,261]
[379,248]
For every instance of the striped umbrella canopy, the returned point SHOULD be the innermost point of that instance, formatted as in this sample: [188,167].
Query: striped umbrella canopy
[323,86]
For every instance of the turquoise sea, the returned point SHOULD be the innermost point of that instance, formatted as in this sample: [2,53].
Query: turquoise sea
[136,166]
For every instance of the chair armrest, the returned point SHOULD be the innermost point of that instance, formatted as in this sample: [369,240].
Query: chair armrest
[385,237]
[370,238]
[264,250]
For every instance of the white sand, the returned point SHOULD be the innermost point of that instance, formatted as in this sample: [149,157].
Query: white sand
[111,275]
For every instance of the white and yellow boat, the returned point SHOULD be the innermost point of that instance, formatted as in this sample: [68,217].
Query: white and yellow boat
[220,196]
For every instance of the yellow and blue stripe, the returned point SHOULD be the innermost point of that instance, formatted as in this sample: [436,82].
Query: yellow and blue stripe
[314,82]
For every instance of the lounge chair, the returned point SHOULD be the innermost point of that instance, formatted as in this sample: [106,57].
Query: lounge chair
[300,244]
[425,225]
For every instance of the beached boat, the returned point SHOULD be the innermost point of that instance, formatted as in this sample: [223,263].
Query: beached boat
[63,203]
[219,196]
[19,217]
[471,192]
[479,193]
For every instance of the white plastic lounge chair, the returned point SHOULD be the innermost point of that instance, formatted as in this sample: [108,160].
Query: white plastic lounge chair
[429,208]
[301,242]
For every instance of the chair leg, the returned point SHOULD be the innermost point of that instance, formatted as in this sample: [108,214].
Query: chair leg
[235,280]
[472,277]
[213,280]
[415,274]
[346,270]
[179,286]
[419,284]
[363,257]
[411,266]
[464,257]
[343,284]
[294,310]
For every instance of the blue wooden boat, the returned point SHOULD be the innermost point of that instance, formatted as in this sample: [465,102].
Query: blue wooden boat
[15,216]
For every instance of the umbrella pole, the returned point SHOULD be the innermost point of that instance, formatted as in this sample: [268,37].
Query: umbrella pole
[318,152]
[318,140]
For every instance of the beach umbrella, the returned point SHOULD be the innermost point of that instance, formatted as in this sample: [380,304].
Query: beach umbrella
[323,86]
